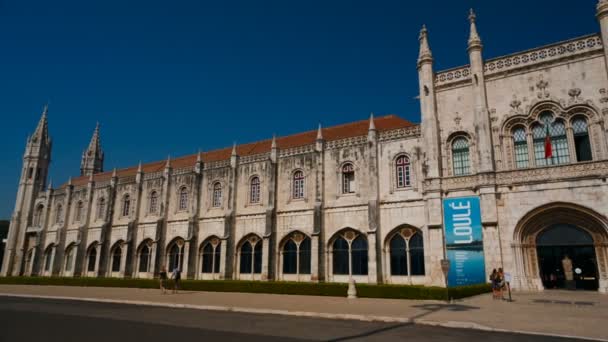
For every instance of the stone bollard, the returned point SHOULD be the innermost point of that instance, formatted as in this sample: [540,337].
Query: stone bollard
[352,290]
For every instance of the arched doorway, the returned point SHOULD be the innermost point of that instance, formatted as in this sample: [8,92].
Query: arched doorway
[561,245]
[566,258]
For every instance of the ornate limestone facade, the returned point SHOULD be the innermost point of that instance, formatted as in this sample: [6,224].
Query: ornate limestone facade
[361,200]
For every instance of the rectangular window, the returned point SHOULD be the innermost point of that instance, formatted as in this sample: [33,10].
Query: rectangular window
[521,155]
[461,163]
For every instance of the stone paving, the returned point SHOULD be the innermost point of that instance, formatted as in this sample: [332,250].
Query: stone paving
[567,313]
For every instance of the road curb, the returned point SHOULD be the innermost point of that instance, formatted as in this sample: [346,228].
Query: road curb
[365,318]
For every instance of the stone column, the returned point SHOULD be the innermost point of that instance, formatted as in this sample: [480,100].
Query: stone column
[186,256]
[314,258]
[265,258]
[223,258]
[123,259]
[371,258]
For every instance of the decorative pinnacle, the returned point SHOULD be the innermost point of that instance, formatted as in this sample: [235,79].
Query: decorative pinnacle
[273,145]
[139,169]
[474,39]
[168,163]
[114,173]
[41,132]
[425,54]
[50,185]
[199,157]
[70,180]
[320,133]
[372,125]
[601,9]
[91,178]
[233,154]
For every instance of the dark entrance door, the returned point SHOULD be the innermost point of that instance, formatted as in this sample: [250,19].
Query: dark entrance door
[566,258]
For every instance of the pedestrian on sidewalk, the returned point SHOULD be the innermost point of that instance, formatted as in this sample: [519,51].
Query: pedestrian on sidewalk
[177,277]
[494,283]
[502,285]
[162,277]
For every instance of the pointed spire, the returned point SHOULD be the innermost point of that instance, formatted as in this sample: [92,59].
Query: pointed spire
[50,185]
[233,154]
[95,144]
[425,55]
[41,132]
[273,145]
[139,168]
[92,157]
[70,181]
[474,40]
[168,163]
[319,133]
[114,173]
[372,125]
[199,157]
[601,10]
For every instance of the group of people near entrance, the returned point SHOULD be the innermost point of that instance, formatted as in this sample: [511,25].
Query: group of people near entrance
[499,285]
[176,275]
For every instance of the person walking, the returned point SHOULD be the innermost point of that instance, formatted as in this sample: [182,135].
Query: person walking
[501,283]
[177,277]
[494,283]
[163,280]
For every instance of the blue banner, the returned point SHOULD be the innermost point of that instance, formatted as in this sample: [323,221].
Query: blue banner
[464,241]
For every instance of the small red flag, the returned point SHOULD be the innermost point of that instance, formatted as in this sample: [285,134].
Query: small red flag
[548,148]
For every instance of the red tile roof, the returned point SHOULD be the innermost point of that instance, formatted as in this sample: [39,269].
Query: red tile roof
[353,129]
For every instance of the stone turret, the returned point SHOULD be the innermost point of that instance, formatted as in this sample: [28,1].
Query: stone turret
[480,103]
[92,157]
[602,16]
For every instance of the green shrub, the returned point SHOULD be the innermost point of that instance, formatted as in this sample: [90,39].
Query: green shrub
[275,287]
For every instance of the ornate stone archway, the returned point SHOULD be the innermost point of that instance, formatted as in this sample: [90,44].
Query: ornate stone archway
[527,274]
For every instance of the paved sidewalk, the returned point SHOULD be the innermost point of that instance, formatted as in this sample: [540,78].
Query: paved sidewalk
[575,314]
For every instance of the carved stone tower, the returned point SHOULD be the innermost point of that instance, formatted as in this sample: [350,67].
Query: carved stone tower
[92,158]
[34,173]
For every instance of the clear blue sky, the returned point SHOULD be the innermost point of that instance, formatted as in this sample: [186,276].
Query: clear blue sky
[170,77]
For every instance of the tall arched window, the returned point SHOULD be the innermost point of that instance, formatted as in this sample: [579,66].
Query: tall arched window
[296,254]
[79,211]
[183,198]
[402,171]
[348,178]
[144,257]
[217,195]
[153,205]
[211,256]
[48,256]
[176,255]
[460,156]
[520,147]
[116,257]
[251,256]
[92,258]
[69,257]
[551,133]
[582,144]
[254,191]
[349,254]
[538,136]
[561,154]
[101,209]
[59,213]
[38,216]
[298,184]
[407,252]
[126,205]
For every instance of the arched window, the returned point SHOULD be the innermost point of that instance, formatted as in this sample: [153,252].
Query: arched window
[144,257]
[153,205]
[69,257]
[92,258]
[251,256]
[38,216]
[460,156]
[79,211]
[582,144]
[211,256]
[59,214]
[126,205]
[407,253]
[101,209]
[217,195]
[176,255]
[298,184]
[296,254]
[48,256]
[550,142]
[254,191]
[402,171]
[116,257]
[520,144]
[183,198]
[348,178]
[349,254]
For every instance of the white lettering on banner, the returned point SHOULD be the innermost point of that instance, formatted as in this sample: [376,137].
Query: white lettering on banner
[462,222]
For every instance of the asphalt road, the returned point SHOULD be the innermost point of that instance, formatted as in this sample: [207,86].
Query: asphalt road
[25,319]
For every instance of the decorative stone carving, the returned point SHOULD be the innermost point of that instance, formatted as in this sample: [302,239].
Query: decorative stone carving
[542,85]
[574,94]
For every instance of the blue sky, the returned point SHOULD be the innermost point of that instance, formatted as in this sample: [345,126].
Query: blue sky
[170,77]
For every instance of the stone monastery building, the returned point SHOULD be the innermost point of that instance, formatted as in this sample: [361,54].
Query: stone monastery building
[525,135]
